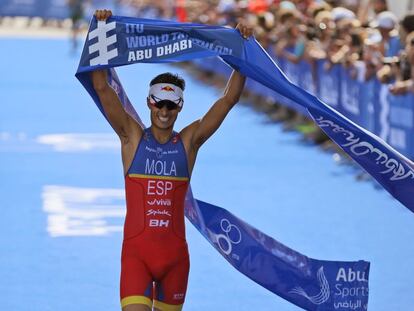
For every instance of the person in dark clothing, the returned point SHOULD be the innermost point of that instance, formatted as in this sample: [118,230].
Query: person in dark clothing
[76,11]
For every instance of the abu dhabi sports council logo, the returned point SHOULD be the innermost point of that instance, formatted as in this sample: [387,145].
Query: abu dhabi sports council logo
[324,293]
[103,43]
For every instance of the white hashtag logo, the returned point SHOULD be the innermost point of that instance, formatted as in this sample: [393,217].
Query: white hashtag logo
[103,43]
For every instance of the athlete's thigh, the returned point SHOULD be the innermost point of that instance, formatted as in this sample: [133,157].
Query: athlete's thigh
[136,284]
[135,278]
[173,287]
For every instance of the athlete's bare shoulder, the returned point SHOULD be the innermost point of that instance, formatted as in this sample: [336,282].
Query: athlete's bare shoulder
[187,134]
[191,149]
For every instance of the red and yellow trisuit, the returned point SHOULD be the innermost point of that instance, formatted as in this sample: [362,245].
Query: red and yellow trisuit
[155,261]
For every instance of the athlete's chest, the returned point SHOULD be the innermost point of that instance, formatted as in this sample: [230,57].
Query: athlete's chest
[155,159]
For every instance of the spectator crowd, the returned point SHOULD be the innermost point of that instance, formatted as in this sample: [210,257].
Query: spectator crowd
[364,36]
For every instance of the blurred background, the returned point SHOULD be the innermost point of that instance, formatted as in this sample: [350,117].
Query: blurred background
[62,198]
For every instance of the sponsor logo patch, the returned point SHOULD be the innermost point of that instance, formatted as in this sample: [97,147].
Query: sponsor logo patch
[167,88]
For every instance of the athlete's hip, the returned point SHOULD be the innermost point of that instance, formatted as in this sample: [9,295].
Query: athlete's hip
[161,228]
[147,246]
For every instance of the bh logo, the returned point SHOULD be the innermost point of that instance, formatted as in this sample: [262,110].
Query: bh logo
[231,236]
[103,43]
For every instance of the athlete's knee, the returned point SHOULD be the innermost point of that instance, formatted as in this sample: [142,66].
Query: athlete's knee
[136,307]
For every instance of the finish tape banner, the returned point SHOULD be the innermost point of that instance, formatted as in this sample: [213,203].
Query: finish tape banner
[314,285]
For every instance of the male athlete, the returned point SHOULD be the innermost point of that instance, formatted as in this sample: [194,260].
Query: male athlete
[157,166]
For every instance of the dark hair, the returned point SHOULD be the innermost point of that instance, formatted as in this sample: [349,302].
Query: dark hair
[168,77]
[408,22]
[356,38]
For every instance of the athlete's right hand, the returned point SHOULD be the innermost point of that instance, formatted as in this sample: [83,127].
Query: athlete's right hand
[103,15]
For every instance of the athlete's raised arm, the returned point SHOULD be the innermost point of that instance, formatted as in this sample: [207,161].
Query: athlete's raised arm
[123,124]
[200,130]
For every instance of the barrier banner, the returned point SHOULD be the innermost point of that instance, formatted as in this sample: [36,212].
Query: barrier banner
[277,97]
[349,95]
[328,83]
[306,78]
[314,285]
[292,72]
[368,92]
[394,119]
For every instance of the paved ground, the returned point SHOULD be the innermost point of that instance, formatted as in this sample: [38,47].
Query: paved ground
[62,201]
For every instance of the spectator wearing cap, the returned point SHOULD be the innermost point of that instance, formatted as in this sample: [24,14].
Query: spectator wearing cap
[324,31]
[343,19]
[386,23]
[291,44]
[345,22]
[341,13]
[371,54]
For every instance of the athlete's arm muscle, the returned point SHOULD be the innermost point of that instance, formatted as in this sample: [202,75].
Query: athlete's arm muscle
[198,132]
[202,129]
[123,124]
[128,130]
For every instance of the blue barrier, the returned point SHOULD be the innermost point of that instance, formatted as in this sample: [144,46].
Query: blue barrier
[328,83]
[394,120]
[56,9]
[349,96]
[292,71]
[401,123]
[367,103]
[368,95]
[306,77]
[35,8]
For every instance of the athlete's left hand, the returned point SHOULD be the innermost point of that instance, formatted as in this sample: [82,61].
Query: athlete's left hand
[245,30]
